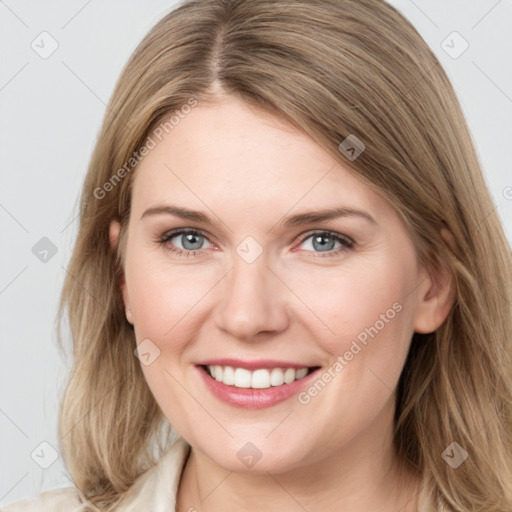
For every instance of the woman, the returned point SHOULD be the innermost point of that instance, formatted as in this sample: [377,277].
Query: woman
[287,252]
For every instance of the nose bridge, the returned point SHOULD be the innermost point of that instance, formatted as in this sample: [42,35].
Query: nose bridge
[251,300]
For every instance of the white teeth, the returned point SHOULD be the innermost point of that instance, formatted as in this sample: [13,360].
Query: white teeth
[260,379]
[276,377]
[242,378]
[229,376]
[302,372]
[289,375]
[257,379]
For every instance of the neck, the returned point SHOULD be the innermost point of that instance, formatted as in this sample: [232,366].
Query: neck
[200,492]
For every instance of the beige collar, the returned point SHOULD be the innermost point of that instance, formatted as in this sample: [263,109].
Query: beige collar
[156,489]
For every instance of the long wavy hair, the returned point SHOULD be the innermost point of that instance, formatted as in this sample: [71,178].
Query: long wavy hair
[332,68]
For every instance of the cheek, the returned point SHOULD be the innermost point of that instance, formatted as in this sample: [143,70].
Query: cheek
[165,302]
[360,302]
[164,299]
[368,310]
[365,325]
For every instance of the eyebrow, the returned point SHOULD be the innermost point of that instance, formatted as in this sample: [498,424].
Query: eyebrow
[287,222]
[323,215]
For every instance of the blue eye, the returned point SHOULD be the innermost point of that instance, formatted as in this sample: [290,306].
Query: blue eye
[192,241]
[324,242]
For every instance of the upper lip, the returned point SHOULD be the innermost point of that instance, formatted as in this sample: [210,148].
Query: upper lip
[252,365]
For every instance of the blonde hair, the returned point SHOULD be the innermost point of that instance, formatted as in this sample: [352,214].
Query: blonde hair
[332,68]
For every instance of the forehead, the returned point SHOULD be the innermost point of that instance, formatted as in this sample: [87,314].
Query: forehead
[229,155]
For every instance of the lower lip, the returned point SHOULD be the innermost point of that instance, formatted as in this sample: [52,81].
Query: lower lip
[250,398]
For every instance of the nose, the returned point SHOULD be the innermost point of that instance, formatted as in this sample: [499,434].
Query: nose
[252,301]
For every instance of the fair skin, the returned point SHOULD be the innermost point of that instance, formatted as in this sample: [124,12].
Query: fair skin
[248,170]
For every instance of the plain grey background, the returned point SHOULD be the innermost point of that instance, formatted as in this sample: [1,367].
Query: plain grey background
[51,109]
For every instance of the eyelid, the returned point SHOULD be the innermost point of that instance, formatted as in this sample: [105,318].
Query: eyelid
[183,231]
[333,234]
[164,239]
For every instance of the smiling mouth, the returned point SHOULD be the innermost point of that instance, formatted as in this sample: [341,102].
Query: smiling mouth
[262,378]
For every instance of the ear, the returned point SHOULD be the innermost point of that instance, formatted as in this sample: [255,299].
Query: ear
[114,230]
[436,295]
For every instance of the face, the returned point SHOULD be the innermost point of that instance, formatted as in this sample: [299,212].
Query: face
[261,293]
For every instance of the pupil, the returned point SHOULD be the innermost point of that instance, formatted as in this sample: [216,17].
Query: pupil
[189,239]
[323,246]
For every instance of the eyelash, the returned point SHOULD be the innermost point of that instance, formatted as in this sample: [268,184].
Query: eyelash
[347,243]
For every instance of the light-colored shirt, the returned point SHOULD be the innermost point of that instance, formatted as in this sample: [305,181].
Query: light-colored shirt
[155,490]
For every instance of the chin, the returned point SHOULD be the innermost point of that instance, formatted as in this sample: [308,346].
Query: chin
[255,458]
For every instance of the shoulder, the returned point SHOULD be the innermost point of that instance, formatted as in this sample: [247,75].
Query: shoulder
[156,489]
[56,500]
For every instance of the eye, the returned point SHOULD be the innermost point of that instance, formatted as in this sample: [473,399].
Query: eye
[191,240]
[325,241]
